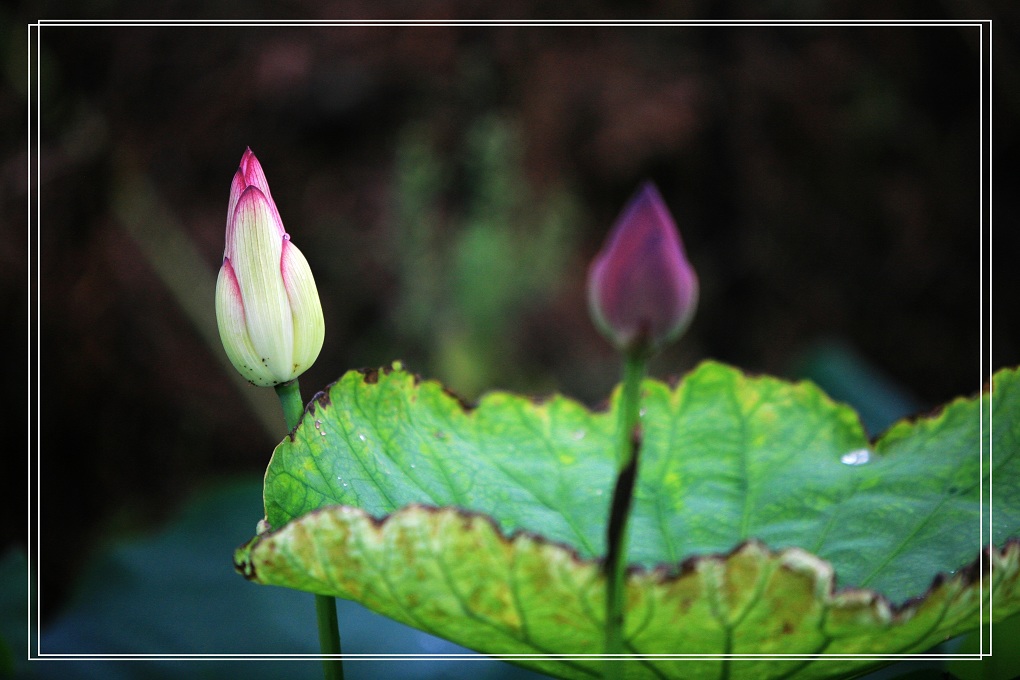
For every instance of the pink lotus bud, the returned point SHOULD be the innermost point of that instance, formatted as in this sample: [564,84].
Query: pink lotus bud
[267,306]
[642,290]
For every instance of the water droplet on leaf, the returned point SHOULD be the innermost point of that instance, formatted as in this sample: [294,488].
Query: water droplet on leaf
[856,457]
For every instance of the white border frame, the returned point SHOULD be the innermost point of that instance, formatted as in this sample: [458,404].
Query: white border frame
[34,89]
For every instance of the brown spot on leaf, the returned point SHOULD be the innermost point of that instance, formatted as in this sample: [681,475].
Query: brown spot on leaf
[463,403]
[245,568]
[321,398]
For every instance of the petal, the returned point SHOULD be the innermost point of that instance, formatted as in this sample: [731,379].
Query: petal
[641,287]
[233,331]
[253,173]
[258,242]
[306,311]
[237,186]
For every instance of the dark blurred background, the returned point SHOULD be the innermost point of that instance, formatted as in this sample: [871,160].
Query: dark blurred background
[449,184]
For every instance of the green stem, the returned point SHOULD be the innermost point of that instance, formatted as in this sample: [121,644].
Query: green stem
[615,565]
[634,368]
[290,399]
[325,606]
[329,636]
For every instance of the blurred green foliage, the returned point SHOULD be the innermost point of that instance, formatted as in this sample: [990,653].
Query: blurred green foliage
[470,272]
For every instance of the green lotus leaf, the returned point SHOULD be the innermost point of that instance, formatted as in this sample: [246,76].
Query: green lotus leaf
[764,522]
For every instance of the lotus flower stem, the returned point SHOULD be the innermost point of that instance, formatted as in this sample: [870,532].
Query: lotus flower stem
[615,566]
[329,637]
[290,399]
[325,606]
[642,293]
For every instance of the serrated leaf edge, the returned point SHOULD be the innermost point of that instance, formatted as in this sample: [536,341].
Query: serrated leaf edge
[821,573]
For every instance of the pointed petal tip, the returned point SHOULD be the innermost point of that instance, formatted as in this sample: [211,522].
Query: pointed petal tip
[254,199]
[253,195]
[648,197]
[650,189]
[252,189]
[249,166]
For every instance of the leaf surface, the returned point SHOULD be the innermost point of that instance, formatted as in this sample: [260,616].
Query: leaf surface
[756,499]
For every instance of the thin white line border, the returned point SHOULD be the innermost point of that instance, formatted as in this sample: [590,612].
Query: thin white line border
[34,219]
